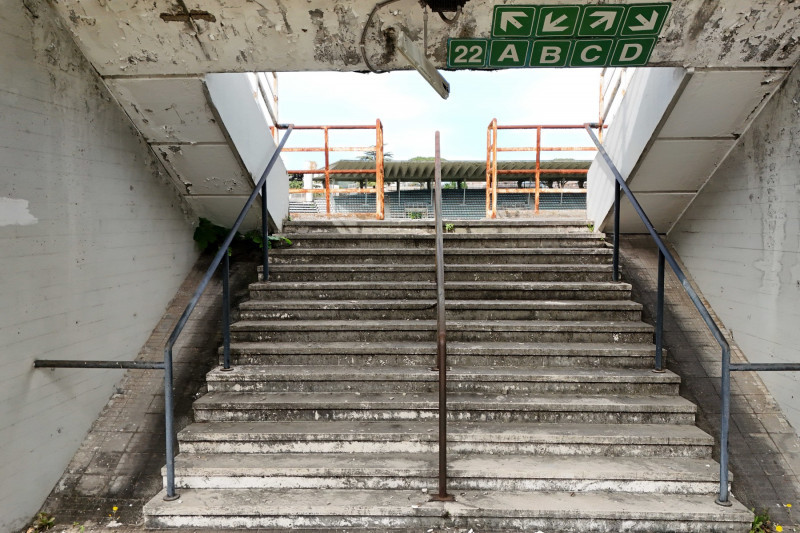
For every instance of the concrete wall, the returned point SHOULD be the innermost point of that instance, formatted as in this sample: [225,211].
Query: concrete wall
[245,117]
[740,239]
[649,94]
[94,245]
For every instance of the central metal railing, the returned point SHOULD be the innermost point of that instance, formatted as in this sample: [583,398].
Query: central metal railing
[492,172]
[664,255]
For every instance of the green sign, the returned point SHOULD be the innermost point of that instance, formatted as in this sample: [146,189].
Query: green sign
[591,52]
[467,53]
[645,19]
[595,35]
[632,52]
[600,21]
[550,53]
[508,53]
[557,21]
[513,21]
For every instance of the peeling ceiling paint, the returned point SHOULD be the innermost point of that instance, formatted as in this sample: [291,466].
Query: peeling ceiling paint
[132,38]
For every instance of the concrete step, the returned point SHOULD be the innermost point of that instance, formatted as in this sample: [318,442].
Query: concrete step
[614,310]
[498,438]
[452,256]
[457,331]
[391,470]
[427,226]
[426,272]
[371,510]
[283,406]
[456,290]
[489,380]
[451,240]
[374,354]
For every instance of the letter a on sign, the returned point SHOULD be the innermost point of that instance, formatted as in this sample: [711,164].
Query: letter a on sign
[508,53]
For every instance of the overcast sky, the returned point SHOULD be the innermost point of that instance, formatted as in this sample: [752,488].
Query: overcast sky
[411,111]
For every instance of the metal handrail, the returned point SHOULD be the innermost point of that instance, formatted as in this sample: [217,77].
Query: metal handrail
[261,187]
[328,172]
[492,171]
[664,254]
[441,329]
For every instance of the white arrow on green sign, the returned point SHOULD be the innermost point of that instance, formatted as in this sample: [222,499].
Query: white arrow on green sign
[513,21]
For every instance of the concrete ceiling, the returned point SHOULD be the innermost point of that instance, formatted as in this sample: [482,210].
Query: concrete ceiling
[190,37]
[711,113]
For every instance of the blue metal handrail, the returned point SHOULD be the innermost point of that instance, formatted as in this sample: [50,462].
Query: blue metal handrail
[664,253]
[261,186]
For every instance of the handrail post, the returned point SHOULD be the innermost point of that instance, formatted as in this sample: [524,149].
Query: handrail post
[327,174]
[488,170]
[264,234]
[724,427]
[169,426]
[441,329]
[660,314]
[615,273]
[538,167]
[494,169]
[226,313]
[379,207]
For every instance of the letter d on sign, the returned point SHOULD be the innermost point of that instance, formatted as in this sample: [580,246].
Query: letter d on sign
[631,52]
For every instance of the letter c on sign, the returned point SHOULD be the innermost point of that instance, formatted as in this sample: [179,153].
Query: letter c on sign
[585,55]
[637,51]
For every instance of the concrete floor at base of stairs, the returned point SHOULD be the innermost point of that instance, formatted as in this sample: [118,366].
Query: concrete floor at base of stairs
[119,464]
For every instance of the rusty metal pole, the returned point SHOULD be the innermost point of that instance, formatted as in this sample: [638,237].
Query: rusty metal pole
[327,174]
[488,170]
[494,169]
[441,331]
[538,168]
[379,207]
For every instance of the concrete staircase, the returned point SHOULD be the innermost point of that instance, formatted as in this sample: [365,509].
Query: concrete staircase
[557,423]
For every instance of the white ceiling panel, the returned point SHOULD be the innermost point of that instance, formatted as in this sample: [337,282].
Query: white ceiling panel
[662,210]
[679,165]
[168,109]
[720,103]
[206,168]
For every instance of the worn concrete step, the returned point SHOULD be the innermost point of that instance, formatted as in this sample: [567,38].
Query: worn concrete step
[452,256]
[371,510]
[392,470]
[614,310]
[455,290]
[490,380]
[428,226]
[375,354]
[280,406]
[451,240]
[637,440]
[426,272]
[457,331]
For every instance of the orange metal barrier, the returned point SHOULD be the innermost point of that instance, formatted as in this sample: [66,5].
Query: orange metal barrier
[327,149]
[492,172]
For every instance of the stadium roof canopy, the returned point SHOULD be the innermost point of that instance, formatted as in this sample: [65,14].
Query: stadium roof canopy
[421,171]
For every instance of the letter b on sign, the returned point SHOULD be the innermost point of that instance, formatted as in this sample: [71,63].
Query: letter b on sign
[550,53]
[632,52]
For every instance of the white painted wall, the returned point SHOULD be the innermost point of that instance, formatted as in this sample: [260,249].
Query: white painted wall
[94,245]
[649,94]
[740,239]
[244,115]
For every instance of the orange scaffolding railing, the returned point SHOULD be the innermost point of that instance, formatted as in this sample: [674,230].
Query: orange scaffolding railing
[492,171]
[378,171]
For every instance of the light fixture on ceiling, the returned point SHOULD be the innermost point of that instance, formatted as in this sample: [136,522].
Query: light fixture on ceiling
[421,63]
